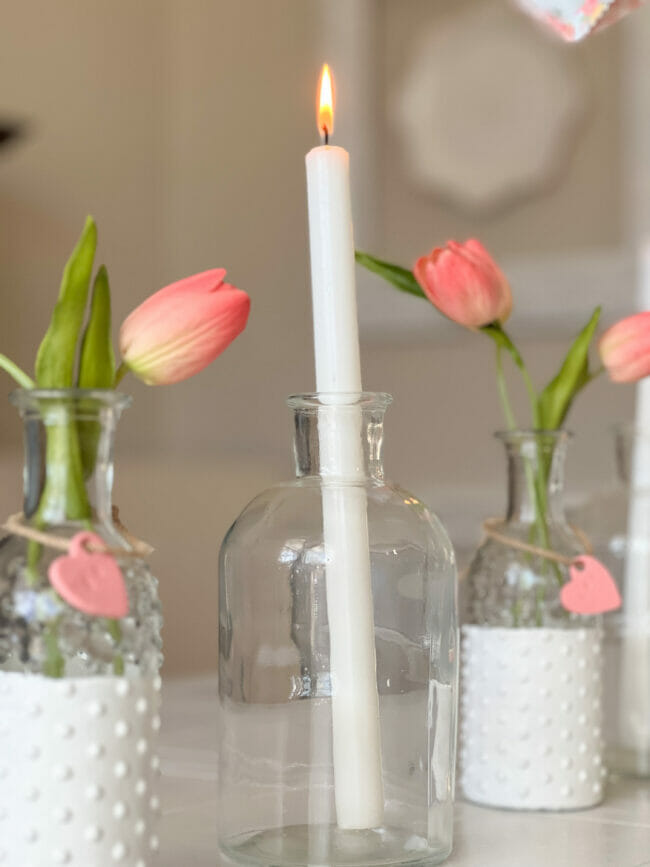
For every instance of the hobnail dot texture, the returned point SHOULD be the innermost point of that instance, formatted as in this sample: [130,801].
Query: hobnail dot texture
[531,718]
[79,770]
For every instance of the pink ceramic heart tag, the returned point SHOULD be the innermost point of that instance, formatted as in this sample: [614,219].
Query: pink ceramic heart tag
[91,582]
[591,590]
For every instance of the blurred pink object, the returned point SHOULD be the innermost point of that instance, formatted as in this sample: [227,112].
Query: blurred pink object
[464,282]
[90,582]
[575,19]
[591,589]
[625,348]
[617,11]
[182,328]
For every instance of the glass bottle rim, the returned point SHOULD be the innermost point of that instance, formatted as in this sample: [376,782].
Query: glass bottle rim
[526,434]
[33,399]
[630,430]
[365,400]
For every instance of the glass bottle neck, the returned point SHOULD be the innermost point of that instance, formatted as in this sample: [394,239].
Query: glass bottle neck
[535,475]
[339,436]
[633,457]
[68,437]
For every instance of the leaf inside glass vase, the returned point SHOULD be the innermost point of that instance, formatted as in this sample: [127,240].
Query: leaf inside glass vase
[55,368]
[96,364]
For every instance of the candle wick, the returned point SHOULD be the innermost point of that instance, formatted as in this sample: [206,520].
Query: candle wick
[327,135]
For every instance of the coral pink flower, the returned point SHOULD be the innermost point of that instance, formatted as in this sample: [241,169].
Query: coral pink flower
[625,348]
[182,328]
[464,282]
[593,8]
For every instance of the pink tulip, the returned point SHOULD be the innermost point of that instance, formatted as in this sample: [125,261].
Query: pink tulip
[625,348]
[182,328]
[464,282]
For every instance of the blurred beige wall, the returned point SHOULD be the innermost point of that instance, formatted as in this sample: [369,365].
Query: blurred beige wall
[182,126]
[580,206]
[446,404]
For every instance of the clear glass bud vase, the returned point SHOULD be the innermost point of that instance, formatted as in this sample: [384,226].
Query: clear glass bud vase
[291,756]
[532,671]
[618,522]
[79,694]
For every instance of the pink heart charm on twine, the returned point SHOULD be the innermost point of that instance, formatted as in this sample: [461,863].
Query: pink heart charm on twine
[591,590]
[91,582]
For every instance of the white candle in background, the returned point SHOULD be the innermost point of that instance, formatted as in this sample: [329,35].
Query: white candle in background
[355,702]
[634,705]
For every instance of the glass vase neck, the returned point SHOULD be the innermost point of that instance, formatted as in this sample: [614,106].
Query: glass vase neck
[339,435]
[535,474]
[633,456]
[68,438]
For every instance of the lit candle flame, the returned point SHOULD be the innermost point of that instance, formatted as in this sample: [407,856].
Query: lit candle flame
[326,104]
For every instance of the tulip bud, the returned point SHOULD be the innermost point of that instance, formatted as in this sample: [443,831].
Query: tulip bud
[182,328]
[625,348]
[464,282]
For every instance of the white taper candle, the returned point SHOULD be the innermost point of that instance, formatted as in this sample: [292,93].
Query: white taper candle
[355,704]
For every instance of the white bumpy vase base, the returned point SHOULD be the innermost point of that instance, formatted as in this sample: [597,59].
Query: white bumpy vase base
[78,771]
[531,720]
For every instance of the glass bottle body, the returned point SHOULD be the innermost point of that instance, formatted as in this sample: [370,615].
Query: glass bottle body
[277,683]
[68,478]
[510,586]
[618,522]
[529,665]
[79,694]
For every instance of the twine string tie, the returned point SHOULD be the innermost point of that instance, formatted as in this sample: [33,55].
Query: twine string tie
[490,528]
[15,524]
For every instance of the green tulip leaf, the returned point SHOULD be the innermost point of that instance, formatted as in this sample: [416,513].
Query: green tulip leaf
[96,364]
[55,368]
[401,278]
[556,399]
[97,361]
[55,361]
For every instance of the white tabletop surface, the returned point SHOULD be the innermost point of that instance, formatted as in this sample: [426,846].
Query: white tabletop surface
[617,834]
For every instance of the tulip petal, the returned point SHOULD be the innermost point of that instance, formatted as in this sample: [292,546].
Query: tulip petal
[465,284]
[182,328]
[625,348]
[153,309]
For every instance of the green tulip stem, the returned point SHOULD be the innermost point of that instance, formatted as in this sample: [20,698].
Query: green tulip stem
[120,373]
[34,551]
[496,332]
[115,631]
[596,373]
[503,391]
[16,373]
[536,479]
[532,397]
[64,492]
[54,665]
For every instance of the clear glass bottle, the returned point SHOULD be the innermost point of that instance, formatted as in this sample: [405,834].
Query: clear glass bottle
[79,695]
[618,523]
[277,781]
[39,633]
[532,671]
[511,587]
